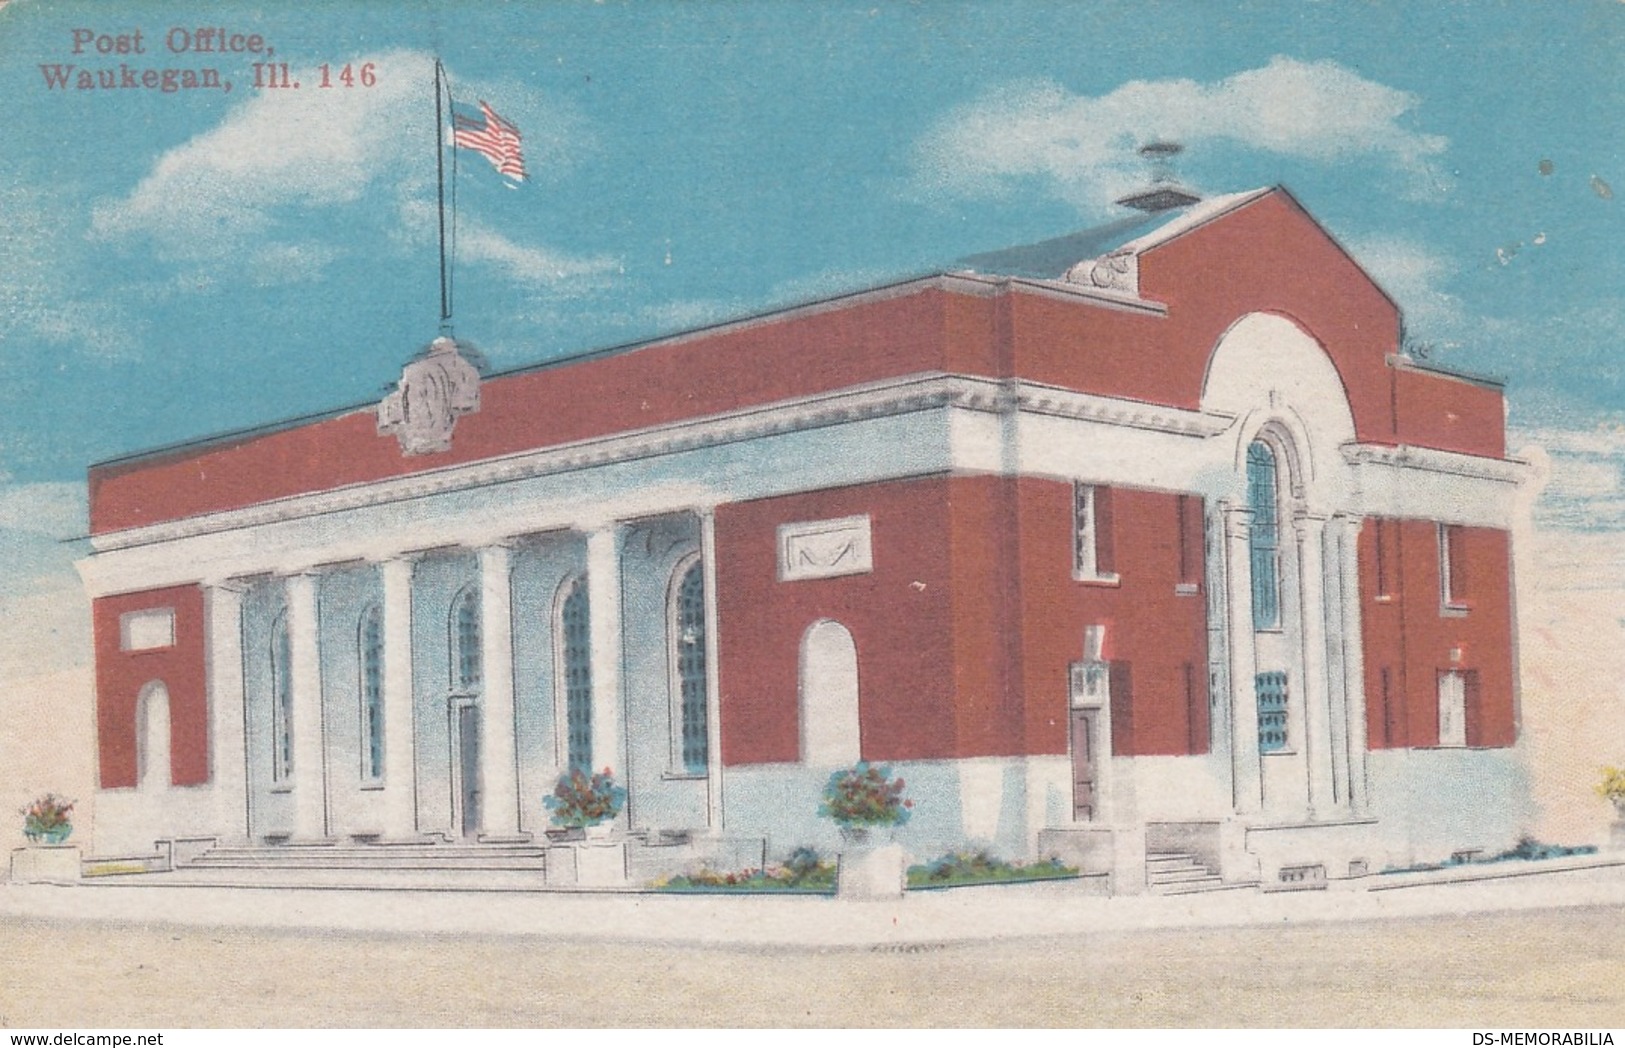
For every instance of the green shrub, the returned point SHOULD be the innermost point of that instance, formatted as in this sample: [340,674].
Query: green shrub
[981,867]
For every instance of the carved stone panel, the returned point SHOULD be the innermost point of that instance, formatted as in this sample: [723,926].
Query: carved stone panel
[821,549]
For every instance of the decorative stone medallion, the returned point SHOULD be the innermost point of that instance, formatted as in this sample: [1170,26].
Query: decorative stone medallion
[433,391]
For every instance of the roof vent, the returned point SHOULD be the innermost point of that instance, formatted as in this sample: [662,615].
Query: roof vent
[1164,193]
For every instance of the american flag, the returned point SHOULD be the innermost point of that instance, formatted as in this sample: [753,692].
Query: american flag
[490,136]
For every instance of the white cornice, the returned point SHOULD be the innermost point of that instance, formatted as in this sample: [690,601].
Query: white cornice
[1433,460]
[887,398]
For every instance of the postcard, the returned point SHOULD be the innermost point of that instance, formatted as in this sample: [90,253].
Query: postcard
[771,514]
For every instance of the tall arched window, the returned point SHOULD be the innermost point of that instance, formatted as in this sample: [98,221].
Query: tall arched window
[152,737]
[575,670]
[370,643]
[466,669]
[829,696]
[687,616]
[281,702]
[1265,541]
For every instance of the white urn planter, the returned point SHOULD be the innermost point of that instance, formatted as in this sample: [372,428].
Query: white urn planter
[45,864]
[870,866]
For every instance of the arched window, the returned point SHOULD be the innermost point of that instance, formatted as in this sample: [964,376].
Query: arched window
[370,643]
[466,669]
[281,702]
[575,671]
[1265,542]
[829,696]
[152,737]
[687,617]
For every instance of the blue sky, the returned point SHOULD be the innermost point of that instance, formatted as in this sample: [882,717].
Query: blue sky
[178,264]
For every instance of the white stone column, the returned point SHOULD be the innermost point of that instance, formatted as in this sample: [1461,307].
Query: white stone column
[1353,640]
[1246,779]
[400,734]
[228,728]
[499,764]
[1317,744]
[305,679]
[604,627]
[713,687]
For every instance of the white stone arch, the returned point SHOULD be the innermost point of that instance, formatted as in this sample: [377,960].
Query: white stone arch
[1280,384]
[830,725]
[152,738]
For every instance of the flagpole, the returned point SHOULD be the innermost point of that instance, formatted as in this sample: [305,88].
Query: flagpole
[440,188]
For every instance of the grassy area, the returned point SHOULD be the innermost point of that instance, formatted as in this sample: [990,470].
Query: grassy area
[981,867]
[1527,850]
[803,872]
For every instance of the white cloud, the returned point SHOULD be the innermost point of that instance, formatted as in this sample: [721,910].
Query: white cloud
[1083,146]
[478,243]
[247,188]
[1585,487]
[1413,275]
[40,299]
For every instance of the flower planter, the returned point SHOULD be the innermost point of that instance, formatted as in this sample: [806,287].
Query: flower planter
[45,864]
[598,831]
[873,871]
[54,835]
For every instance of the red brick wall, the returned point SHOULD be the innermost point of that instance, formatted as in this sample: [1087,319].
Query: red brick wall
[899,616]
[1267,256]
[964,631]
[1436,411]
[1154,630]
[658,384]
[1409,637]
[120,676]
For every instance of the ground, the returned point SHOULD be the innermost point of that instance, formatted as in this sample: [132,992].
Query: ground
[1542,969]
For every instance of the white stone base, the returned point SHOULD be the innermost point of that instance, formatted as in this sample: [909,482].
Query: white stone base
[872,873]
[45,864]
[1616,836]
[587,864]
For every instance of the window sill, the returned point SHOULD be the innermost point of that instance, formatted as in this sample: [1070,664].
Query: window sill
[684,776]
[1454,611]
[282,788]
[372,787]
[1278,753]
[1097,580]
[1383,598]
[1187,589]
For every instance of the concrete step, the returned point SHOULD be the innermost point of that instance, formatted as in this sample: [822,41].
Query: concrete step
[408,856]
[1180,875]
[1212,884]
[371,878]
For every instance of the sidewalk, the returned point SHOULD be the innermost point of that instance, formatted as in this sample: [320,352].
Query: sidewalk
[921,918]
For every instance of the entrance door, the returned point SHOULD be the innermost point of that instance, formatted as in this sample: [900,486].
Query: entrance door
[467,754]
[1084,774]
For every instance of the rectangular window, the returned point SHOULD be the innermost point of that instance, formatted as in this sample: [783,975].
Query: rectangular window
[1122,707]
[1452,708]
[1191,541]
[1382,530]
[1453,567]
[1389,734]
[1195,730]
[1272,733]
[1093,547]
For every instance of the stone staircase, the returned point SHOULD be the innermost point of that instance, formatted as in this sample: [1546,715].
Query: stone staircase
[1176,873]
[428,865]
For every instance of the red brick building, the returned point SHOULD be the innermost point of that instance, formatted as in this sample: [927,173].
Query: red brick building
[1166,546]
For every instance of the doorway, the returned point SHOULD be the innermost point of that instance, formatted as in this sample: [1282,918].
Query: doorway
[1085,776]
[465,766]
